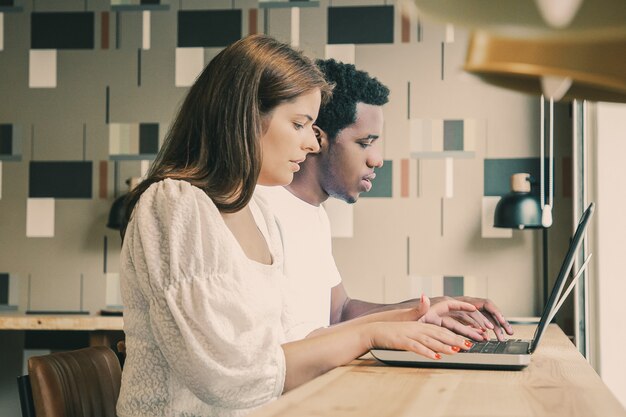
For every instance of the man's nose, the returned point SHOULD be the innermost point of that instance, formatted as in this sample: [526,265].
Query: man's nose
[311,144]
[375,159]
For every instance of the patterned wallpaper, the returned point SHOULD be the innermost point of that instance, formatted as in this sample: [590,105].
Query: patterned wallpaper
[89,87]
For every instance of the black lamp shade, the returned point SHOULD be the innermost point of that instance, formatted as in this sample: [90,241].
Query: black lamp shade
[117,213]
[518,210]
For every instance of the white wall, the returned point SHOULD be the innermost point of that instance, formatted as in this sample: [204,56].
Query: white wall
[610,245]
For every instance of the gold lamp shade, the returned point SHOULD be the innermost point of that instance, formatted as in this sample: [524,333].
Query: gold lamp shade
[588,69]
[565,19]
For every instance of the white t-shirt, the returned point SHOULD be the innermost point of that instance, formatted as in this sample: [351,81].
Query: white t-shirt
[309,264]
[203,322]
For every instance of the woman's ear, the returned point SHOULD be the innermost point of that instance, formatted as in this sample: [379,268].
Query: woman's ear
[321,136]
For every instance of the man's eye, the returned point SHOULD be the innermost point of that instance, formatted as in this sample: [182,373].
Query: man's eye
[365,144]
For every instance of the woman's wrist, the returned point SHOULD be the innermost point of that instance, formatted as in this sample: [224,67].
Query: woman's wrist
[367,336]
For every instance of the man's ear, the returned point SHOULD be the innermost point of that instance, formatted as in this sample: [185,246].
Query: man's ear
[321,136]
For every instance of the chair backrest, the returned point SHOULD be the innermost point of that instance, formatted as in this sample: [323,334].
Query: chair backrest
[78,383]
[26,396]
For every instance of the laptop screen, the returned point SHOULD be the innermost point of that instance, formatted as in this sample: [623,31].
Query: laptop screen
[566,267]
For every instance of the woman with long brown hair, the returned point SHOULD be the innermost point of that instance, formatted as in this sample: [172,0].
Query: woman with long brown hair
[202,257]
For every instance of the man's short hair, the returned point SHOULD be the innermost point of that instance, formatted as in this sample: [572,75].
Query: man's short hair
[352,86]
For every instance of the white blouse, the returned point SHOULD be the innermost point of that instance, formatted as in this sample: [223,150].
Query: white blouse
[202,320]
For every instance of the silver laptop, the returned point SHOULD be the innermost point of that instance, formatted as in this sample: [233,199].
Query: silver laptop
[510,354]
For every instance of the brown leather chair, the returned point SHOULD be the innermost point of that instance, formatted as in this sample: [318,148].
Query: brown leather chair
[79,383]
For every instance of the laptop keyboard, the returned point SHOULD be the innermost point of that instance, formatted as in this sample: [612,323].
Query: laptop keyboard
[491,346]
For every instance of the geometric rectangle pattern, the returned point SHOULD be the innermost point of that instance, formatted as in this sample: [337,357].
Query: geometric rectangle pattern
[4,289]
[148,138]
[453,286]
[382,185]
[40,217]
[342,53]
[449,177]
[103,177]
[113,294]
[253,18]
[10,142]
[208,28]
[437,138]
[145,34]
[9,291]
[295,27]
[120,138]
[138,5]
[405,24]
[60,179]
[6,139]
[363,24]
[405,167]
[133,141]
[42,68]
[428,285]
[453,135]
[104,30]
[134,2]
[497,174]
[189,63]
[275,4]
[449,33]
[62,30]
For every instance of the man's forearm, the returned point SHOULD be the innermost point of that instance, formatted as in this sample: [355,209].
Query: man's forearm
[356,308]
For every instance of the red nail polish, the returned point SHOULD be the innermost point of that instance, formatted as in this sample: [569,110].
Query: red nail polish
[468,343]
[437,356]
[456,348]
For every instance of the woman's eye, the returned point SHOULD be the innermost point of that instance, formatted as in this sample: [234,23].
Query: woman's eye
[365,144]
[298,126]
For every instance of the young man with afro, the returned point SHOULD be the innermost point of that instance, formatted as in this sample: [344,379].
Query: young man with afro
[348,129]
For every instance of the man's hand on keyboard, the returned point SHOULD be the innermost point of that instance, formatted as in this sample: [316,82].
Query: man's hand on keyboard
[487,317]
[439,314]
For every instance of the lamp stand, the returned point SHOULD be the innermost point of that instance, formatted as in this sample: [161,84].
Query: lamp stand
[546,284]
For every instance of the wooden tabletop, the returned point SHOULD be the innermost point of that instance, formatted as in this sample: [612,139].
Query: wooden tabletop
[558,382]
[16,321]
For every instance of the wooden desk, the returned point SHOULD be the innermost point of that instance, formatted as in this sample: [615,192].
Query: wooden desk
[558,382]
[101,328]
